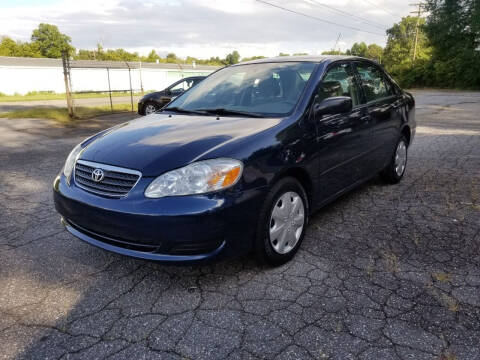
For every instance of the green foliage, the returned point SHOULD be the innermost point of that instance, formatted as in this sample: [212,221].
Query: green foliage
[453,28]
[8,47]
[253,58]
[359,49]
[399,51]
[51,42]
[374,52]
[333,52]
[446,53]
[61,114]
[232,58]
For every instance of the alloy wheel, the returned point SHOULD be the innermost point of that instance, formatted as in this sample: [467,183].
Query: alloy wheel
[150,109]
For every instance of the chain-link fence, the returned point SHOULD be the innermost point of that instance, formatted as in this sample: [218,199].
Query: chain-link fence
[112,86]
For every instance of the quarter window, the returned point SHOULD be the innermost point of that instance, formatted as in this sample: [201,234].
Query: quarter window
[373,82]
[339,81]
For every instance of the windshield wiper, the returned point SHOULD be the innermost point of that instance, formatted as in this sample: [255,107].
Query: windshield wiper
[223,111]
[184,111]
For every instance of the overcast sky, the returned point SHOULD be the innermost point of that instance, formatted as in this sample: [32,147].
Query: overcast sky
[205,28]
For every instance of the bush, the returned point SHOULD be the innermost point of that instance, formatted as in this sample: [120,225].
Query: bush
[33,93]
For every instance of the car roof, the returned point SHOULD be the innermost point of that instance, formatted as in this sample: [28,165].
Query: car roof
[306,58]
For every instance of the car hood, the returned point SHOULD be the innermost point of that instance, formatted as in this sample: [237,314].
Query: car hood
[158,143]
[154,95]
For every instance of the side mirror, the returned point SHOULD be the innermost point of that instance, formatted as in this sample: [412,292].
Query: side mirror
[333,105]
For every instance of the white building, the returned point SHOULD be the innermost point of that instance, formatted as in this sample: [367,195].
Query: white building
[22,75]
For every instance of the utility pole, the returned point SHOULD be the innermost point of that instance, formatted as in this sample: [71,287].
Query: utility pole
[336,42]
[419,12]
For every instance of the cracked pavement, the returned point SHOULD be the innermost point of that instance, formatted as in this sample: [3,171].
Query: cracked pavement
[385,272]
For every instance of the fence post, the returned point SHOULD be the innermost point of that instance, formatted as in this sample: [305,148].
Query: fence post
[130,79]
[67,79]
[109,89]
[141,82]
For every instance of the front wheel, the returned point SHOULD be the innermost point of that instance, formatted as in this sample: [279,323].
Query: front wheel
[282,222]
[150,108]
[393,173]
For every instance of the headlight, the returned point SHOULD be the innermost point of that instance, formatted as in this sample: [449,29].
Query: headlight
[70,162]
[197,178]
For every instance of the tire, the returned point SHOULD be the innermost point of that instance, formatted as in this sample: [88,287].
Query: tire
[285,207]
[395,170]
[150,108]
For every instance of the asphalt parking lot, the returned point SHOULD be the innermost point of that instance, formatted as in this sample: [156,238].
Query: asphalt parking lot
[385,272]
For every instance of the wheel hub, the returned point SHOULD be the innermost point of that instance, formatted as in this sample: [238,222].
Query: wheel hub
[400,158]
[287,222]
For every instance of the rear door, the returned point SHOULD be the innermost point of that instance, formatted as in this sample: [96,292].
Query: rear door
[385,108]
[343,139]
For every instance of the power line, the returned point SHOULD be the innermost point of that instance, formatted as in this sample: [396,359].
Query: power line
[381,8]
[345,13]
[318,19]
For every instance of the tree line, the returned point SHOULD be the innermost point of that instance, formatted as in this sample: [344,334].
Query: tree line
[440,50]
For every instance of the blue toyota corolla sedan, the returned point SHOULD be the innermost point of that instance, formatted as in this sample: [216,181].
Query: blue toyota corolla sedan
[238,163]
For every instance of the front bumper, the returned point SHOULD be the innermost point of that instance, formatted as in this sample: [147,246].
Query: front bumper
[140,107]
[184,229]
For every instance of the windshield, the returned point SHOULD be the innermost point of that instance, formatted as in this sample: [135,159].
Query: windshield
[264,88]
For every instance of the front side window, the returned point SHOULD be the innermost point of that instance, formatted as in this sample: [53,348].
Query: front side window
[263,88]
[182,86]
[339,81]
[373,82]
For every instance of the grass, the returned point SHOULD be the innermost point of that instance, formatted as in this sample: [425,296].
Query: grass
[442,277]
[61,114]
[46,95]
[391,261]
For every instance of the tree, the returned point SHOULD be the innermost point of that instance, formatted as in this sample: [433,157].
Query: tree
[453,28]
[152,56]
[359,49]
[172,58]
[333,52]
[401,42]
[50,41]
[232,58]
[398,54]
[374,52]
[253,58]
[9,47]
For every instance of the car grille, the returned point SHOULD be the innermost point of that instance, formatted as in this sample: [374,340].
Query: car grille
[116,182]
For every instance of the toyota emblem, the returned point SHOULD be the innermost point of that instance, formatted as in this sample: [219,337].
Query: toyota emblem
[98,175]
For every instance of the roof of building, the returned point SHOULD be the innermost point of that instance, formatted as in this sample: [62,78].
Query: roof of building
[46,62]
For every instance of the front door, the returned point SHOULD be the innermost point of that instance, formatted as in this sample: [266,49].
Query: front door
[343,140]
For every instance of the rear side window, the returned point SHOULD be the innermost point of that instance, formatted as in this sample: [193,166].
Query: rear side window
[373,82]
[340,81]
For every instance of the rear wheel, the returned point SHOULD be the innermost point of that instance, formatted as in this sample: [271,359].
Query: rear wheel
[150,108]
[393,173]
[282,223]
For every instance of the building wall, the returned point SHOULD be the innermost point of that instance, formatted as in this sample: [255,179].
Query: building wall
[23,79]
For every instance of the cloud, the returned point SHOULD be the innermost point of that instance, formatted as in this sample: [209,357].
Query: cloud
[204,28]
